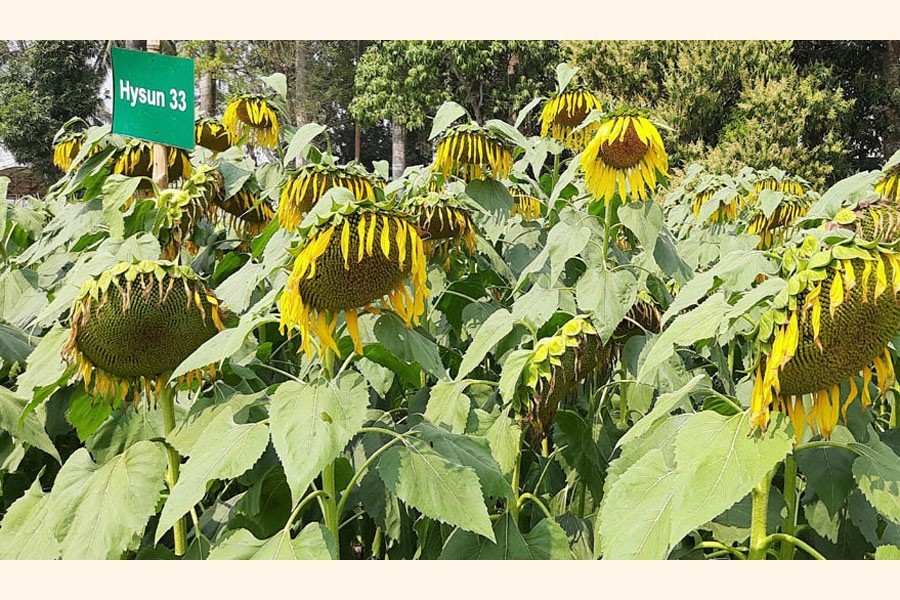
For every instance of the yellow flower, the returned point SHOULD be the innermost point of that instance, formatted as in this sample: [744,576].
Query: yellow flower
[254,117]
[525,204]
[889,186]
[248,211]
[136,160]
[306,187]
[564,112]
[212,135]
[626,148]
[446,221]
[134,323]
[346,264]
[66,149]
[727,211]
[470,152]
[774,228]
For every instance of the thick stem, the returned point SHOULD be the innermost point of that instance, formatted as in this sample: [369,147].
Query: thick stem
[332,522]
[607,230]
[790,498]
[513,504]
[167,402]
[758,514]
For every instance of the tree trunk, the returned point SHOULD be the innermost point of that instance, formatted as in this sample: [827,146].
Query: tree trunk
[398,149]
[208,83]
[136,44]
[891,63]
[299,83]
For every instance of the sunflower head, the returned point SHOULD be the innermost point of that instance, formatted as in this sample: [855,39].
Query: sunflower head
[211,134]
[134,323]
[553,370]
[354,256]
[778,225]
[524,203]
[564,112]
[179,213]
[889,185]
[626,157]
[471,152]
[446,220]
[248,211]
[135,159]
[835,320]
[254,116]
[730,203]
[305,188]
[67,148]
[776,180]
[874,220]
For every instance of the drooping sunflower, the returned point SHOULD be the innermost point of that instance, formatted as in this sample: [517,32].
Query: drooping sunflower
[67,148]
[564,112]
[136,160]
[179,213]
[355,256]
[839,314]
[134,323]
[471,152]
[731,202]
[776,180]
[446,220]
[252,115]
[211,134]
[773,229]
[889,185]
[249,212]
[307,186]
[627,149]
[524,203]
[553,370]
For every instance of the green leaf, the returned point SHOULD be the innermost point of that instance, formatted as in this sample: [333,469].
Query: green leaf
[877,473]
[664,405]
[536,306]
[311,424]
[86,413]
[301,140]
[45,365]
[495,328]
[4,186]
[546,541]
[644,219]
[221,346]
[829,472]
[508,131]
[511,372]
[609,295]
[278,82]
[526,110]
[409,345]
[446,492]
[564,242]
[99,511]
[117,190]
[719,464]
[446,114]
[504,437]
[492,196]
[225,450]
[448,404]
[887,553]
[314,542]
[469,451]
[15,345]
[125,428]
[25,532]
[580,450]
[30,428]
[564,74]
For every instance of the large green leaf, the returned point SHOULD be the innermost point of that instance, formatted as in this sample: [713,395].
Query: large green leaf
[608,295]
[15,345]
[877,472]
[409,344]
[100,511]
[225,450]
[504,437]
[644,219]
[314,542]
[311,424]
[449,405]
[469,451]
[123,429]
[546,541]
[444,491]
[45,365]
[829,472]
[495,328]
[301,140]
[446,114]
[31,429]
[221,346]
[887,553]
[25,532]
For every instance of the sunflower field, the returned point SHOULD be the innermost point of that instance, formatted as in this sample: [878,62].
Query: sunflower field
[549,346]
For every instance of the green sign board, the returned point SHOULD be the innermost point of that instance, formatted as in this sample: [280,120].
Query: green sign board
[153,97]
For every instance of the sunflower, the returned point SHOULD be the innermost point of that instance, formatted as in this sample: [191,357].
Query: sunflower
[307,186]
[248,211]
[840,312]
[211,134]
[553,370]
[564,112]
[446,220]
[524,203]
[134,323]
[66,149]
[470,152]
[729,207]
[626,148]
[774,228]
[254,116]
[355,256]
[889,185]
[136,160]
[777,180]
[179,213]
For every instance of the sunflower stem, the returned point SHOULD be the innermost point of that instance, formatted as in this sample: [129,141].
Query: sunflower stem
[790,498]
[607,230]
[167,402]
[330,502]
[758,515]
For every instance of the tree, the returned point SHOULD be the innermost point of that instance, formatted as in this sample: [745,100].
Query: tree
[730,103]
[404,81]
[43,84]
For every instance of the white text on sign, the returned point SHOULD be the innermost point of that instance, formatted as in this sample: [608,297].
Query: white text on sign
[138,95]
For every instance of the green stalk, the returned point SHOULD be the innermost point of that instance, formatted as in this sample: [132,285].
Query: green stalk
[513,504]
[607,234]
[330,502]
[790,498]
[167,402]
[758,514]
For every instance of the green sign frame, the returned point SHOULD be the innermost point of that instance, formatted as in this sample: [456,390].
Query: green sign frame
[153,97]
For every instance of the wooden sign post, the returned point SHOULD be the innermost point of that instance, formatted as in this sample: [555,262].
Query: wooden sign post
[160,161]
